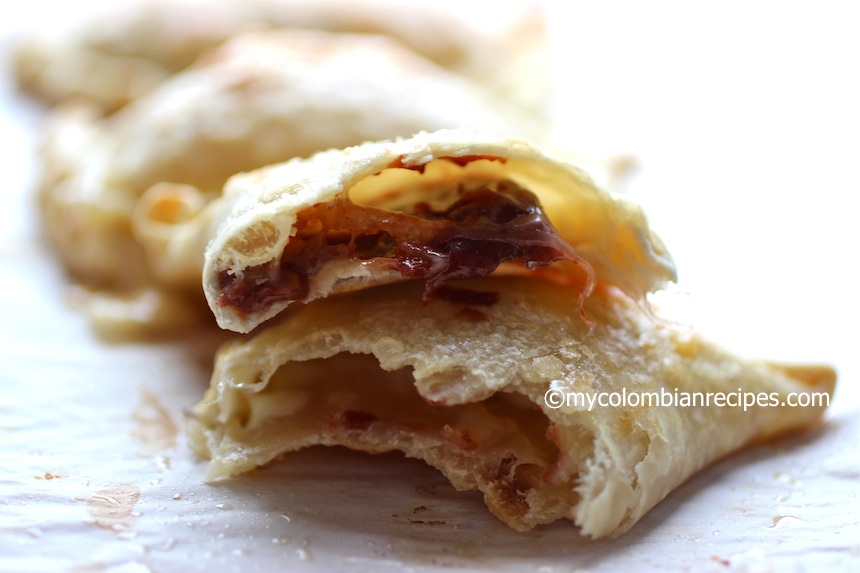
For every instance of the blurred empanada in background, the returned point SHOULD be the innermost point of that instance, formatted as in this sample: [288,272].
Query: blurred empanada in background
[114,190]
[125,51]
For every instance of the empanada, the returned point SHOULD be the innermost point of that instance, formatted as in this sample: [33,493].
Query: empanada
[113,191]
[128,50]
[437,206]
[491,385]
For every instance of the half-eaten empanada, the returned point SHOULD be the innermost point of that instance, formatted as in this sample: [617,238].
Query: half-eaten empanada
[437,206]
[503,387]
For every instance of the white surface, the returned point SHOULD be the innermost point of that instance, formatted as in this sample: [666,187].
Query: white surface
[743,119]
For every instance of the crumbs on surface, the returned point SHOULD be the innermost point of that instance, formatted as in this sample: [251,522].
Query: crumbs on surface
[112,508]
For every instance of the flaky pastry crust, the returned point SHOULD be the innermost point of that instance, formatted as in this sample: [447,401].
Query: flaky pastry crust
[262,211]
[464,387]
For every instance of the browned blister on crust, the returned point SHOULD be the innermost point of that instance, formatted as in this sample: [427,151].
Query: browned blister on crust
[463,384]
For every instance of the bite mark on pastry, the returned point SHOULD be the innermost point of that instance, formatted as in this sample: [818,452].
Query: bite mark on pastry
[373,371]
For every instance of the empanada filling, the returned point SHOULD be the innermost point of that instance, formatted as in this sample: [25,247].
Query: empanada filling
[503,445]
[483,225]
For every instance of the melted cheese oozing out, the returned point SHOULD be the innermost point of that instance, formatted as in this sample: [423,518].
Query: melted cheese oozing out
[460,230]
[502,445]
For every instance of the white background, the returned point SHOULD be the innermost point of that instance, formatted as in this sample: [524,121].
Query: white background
[743,120]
